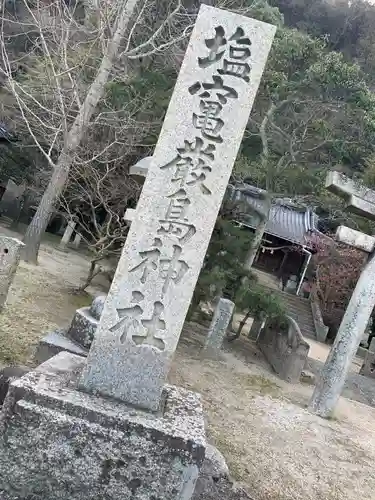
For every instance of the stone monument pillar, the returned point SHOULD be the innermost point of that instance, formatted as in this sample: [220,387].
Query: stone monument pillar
[110,427]
[172,225]
[219,325]
[67,234]
[10,254]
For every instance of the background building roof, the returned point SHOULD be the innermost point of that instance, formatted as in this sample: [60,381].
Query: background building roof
[286,221]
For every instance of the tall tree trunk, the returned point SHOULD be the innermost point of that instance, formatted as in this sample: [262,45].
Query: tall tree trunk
[258,235]
[240,327]
[74,137]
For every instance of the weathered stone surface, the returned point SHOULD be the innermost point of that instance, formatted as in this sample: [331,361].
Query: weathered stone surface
[355,238]
[54,343]
[97,306]
[214,482]
[223,489]
[307,377]
[286,351]
[187,178]
[320,328]
[368,366]
[219,324]
[255,329]
[77,240]
[83,327]
[140,169]
[6,376]
[340,184]
[332,379]
[11,201]
[10,254]
[67,234]
[57,443]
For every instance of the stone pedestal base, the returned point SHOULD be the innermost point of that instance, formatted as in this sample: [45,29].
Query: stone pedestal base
[57,443]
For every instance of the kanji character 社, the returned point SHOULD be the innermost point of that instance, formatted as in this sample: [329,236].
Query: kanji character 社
[152,325]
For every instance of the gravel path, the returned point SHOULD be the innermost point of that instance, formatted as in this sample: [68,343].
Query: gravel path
[274,447]
[357,387]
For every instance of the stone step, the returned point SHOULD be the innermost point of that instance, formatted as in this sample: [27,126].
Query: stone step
[56,342]
[5,221]
[299,309]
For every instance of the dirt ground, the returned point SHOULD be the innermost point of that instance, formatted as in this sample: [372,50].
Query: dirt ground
[274,447]
[41,299]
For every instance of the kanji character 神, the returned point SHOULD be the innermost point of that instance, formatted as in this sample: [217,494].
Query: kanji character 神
[169,269]
[150,260]
[173,269]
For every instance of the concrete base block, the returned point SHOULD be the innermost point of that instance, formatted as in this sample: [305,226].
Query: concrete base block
[368,367]
[56,342]
[362,352]
[83,327]
[58,443]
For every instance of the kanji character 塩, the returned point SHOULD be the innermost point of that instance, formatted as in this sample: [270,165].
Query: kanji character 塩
[232,66]
[152,325]
[214,45]
[208,121]
[173,269]
[216,90]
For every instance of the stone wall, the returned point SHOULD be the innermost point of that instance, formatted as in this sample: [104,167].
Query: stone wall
[285,349]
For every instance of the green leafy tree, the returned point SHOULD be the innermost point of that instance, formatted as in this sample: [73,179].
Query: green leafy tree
[315,111]
[258,303]
[223,269]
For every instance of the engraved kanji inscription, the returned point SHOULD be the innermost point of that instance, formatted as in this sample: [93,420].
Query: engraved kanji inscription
[182,231]
[191,164]
[216,90]
[150,260]
[129,317]
[214,44]
[236,54]
[152,325]
[173,269]
[233,68]
[208,121]
[176,223]
[169,269]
